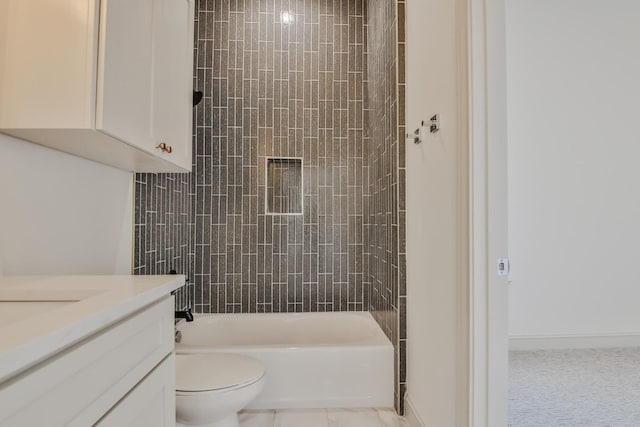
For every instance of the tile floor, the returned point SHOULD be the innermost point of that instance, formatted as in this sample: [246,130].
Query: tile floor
[322,418]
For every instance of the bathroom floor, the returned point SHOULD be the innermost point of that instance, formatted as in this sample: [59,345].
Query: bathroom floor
[322,418]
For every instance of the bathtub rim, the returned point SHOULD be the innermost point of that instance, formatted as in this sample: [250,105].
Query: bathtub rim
[377,339]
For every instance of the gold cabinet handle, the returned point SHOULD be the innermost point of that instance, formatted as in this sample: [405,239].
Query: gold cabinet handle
[164,147]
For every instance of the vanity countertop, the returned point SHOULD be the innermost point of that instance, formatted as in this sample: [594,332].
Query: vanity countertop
[42,315]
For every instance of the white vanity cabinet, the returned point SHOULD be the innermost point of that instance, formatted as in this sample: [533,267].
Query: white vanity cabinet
[107,80]
[122,375]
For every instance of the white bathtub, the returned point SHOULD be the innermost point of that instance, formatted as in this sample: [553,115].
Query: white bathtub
[312,360]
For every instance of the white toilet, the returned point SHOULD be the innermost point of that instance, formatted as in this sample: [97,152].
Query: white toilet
[212,387]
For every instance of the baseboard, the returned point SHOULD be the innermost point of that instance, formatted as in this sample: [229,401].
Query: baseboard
[550,342]
[411,414]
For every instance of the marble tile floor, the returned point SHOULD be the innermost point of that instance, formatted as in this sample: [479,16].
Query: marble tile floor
[360,417]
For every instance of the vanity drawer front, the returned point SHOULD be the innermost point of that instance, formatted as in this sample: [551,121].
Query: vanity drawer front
[150,404]
[79,385]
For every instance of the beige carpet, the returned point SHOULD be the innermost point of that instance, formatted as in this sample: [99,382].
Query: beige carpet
[586,388]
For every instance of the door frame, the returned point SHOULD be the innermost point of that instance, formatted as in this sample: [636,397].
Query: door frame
[488,214]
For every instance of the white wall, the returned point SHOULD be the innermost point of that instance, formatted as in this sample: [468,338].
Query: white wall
[434,212]
[574,174]
[61,214]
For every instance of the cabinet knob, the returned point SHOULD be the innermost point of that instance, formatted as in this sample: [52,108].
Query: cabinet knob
[164,147]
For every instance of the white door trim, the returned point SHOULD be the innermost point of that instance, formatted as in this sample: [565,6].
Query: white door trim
[478,369]
[488,353]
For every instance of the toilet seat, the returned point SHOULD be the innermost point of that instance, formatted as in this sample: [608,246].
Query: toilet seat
[215,372]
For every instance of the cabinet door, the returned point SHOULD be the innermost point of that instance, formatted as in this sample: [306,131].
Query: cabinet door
[47,64]
[150,404]
[172,78]
[125,63]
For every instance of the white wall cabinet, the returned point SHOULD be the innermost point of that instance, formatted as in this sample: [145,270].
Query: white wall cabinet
[107,80]
[122,375]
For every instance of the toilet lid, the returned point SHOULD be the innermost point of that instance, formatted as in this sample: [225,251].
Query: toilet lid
[215,371]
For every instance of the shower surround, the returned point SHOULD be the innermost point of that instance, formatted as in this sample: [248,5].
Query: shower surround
[385,224]
[277,87]
[311,79]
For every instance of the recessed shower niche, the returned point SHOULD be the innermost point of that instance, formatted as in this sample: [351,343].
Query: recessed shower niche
[284,186]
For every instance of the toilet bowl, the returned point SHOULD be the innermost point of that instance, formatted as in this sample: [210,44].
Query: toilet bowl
[212,387]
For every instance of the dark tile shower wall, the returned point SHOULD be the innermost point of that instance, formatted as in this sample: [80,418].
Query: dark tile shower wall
[385,208]
[164,228]
[279,87]
[401,348]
